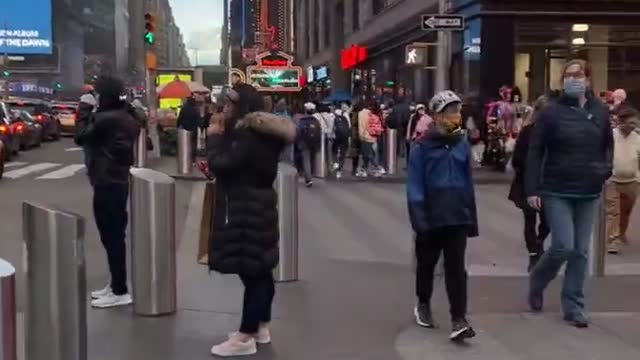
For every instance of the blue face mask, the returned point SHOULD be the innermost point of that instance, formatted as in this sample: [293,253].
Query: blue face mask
[575,88]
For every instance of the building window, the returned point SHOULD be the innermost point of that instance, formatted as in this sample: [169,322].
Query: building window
[378,6]
[356,15]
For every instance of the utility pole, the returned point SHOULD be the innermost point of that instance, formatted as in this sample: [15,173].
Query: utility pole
[443,52]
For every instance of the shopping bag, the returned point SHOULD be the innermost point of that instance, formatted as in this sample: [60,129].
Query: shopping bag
[206,222]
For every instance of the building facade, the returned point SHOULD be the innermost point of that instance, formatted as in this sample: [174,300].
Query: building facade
[505,42]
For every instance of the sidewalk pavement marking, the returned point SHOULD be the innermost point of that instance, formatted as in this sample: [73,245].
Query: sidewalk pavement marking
[14,174]
[65,172]
[14,164]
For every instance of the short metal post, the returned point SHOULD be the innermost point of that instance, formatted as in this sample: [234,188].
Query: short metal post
[391,151]
[8,334]
[153,242]
[320,163]
[140,151]
[599,241]
[56,311]
[184,152]
[287,188]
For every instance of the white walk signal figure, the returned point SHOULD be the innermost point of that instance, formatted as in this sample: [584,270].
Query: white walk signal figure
[412,56]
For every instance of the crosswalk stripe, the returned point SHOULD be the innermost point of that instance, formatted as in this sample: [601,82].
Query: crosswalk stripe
[14,174]
[73,149]
[14,164]
[65,172]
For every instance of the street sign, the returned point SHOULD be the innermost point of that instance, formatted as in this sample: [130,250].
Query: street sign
[443,22]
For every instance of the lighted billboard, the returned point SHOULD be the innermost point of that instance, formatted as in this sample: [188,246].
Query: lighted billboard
[25,27]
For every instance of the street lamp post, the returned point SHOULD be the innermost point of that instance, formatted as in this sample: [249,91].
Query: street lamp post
[443,53]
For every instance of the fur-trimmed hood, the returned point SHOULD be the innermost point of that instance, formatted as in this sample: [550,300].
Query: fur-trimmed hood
[269,124]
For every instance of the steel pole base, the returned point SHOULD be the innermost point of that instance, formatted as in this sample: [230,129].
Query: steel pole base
[8,333]
[287,188]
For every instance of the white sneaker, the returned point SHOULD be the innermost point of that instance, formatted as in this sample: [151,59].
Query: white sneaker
[234,347]
[262,337]
[382,171]
[335,166]
[102,292]
[112,300]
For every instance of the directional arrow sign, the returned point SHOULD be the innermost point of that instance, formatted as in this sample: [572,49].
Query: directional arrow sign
[443,22]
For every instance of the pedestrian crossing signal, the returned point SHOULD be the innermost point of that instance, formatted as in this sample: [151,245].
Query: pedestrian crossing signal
[150,29]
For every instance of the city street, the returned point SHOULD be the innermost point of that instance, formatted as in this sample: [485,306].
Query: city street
[355,295]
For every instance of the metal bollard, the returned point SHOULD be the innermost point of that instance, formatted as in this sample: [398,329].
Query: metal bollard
[320,162]
[140,151]
[8,333]
[391,151]
[287,188]
[56,311]
[153,242]
[184,152]
[597,259]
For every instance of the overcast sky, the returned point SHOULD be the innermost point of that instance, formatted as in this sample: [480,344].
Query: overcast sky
[200,22]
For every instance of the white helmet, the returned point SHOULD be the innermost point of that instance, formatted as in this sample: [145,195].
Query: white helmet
[442,99]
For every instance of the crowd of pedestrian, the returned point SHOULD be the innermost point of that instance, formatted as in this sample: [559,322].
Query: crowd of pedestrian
[570,149]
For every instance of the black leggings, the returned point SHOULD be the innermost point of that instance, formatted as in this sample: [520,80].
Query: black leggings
[256,305]
[110,212]
[452,241]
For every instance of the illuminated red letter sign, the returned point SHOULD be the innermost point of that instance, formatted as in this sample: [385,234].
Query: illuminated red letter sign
[353,56]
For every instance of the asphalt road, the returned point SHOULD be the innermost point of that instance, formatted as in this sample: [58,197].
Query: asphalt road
[355,293]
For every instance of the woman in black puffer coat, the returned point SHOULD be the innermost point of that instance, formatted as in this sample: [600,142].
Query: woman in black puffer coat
[243,155]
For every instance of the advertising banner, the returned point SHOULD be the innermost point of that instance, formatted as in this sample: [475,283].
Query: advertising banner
[25,27]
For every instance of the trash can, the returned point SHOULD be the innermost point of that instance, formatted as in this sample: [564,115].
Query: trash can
[391,151]
[153,242]
[184,152]
[56,311]
[8,333]
[320,162]
[287,189]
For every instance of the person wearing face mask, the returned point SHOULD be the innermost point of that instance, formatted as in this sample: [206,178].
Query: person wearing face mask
[569,159]
[622,189]
[442,211]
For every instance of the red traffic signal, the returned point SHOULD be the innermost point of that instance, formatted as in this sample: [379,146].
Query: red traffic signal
[149,22]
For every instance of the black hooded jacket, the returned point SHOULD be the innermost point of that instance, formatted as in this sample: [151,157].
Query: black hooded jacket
[570,150]
[244,162]
[109,134]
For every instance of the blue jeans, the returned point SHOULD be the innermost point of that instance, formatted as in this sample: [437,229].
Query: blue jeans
[571,224]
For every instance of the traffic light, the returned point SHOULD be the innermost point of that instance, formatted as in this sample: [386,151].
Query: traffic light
[6,73]
[150,29]
[58,86]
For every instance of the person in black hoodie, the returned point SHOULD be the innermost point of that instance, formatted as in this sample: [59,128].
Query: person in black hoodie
[570,158]
[109,135]
[534,240]
[243,153]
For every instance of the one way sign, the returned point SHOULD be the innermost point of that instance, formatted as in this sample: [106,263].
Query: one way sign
[443,22]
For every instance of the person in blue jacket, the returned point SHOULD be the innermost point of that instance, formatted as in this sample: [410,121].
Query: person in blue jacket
[442,211]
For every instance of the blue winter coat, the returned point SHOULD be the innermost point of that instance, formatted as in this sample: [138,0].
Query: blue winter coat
[440,189]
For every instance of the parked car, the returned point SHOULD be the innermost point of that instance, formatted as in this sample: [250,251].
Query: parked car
[27,128]
[10,140]
[41,112]
[66,113]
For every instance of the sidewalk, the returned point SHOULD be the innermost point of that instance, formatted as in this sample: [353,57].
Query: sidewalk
[355,295]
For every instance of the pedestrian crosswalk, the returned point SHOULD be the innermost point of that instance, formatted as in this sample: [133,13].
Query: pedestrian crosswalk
[41,171]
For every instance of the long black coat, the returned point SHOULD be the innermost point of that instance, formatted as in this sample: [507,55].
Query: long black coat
[244,161]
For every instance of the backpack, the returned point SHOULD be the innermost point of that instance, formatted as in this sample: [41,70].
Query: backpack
[310,132]
[341,128]
[375,126]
